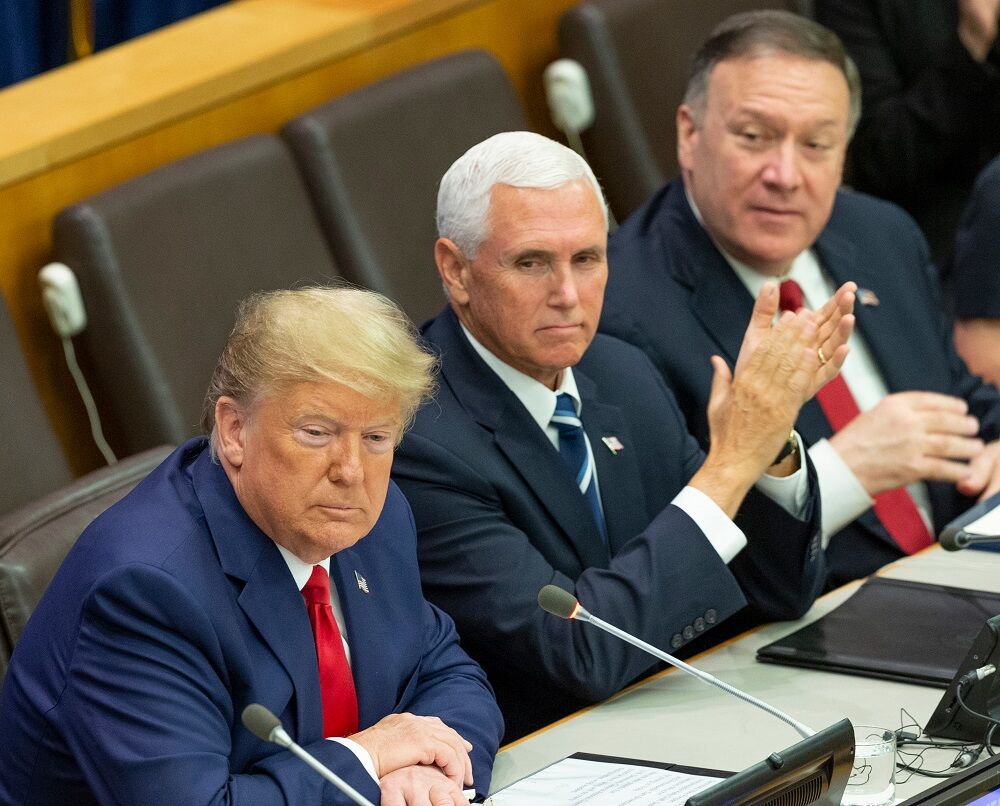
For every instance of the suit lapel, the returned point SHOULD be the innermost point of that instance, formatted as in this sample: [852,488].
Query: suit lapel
[365,632]
[883,328]
[269,597]
[517,436]
[618,476]
[718,298]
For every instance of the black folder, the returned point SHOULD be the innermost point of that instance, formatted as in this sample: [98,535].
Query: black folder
[892,629]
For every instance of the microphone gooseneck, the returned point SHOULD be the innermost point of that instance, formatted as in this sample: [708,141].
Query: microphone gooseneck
[265,725]
[561,603]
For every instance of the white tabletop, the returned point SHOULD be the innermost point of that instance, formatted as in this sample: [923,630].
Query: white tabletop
[673,717]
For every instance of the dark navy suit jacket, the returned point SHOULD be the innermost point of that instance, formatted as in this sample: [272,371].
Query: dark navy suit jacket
[499,515]
[172,613]
[672,293]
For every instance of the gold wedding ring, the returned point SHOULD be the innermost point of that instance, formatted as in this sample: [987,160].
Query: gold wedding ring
[822,358]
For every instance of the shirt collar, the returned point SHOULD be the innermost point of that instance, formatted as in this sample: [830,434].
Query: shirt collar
[538,399]
[301,571]
[804,268]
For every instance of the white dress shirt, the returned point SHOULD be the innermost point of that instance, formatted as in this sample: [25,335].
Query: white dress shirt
[726,537]
[301,571]
[842,495]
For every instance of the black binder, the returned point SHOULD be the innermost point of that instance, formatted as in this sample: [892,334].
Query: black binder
[892,629]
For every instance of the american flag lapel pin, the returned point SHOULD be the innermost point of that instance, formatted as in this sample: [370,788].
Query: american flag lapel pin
[362,582]
[867,297]
[613,444]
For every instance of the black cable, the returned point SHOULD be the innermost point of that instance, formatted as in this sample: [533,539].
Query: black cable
[912,763]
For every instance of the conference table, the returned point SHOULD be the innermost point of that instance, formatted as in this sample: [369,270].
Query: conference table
[672,717]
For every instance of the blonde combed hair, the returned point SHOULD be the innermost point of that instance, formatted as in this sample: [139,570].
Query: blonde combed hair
[348,335]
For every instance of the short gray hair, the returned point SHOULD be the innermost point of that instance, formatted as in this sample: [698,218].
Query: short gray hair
[518,159]
[766,33]
[354,337]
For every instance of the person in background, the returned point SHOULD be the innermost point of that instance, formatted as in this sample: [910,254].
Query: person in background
[976,278]
[904,439]
[930,117]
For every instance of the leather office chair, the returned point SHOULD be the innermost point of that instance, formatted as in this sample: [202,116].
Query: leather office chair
[638,54]
[31,462]
[35,539]
[373,160]
[163,260]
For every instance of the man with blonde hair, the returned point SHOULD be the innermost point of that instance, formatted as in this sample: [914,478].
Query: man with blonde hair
[276,565]
[551,455]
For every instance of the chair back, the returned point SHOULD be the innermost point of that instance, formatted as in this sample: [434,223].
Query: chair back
[32,462]
[35,539]
[638,56]
[163,260]
[373,160]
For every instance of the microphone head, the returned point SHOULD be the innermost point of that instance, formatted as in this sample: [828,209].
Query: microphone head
[259,721]
[953,539]
[558,602]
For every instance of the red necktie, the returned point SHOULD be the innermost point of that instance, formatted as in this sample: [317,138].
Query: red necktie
[894,508]
[340,702]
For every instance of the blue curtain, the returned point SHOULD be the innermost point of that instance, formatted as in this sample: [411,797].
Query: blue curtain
[34,34]
[118,20]
[33,37]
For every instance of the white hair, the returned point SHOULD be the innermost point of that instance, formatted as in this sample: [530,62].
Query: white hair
[517,159]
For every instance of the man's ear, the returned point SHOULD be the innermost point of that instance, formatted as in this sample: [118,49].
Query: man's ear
[687,134]
[230,430]
[453,268]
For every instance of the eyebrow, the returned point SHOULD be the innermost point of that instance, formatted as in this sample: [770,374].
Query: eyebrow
[770,120]
[545,254]
[333,421]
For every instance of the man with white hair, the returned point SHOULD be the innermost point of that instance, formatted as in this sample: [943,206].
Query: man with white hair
[274,565]
[553,456]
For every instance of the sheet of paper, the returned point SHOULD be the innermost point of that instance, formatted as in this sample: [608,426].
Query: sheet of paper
[988,524]
[575,782]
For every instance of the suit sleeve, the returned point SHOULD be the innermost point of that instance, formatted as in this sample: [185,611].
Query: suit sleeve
[453,687]
[913,129]
[782,569]
[481,568]
[148,714]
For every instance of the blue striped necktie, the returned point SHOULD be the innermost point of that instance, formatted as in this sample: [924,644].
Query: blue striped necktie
[575,451]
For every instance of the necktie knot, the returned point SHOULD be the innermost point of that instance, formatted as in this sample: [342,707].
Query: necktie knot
[565,418]
[317,589]
[790,297]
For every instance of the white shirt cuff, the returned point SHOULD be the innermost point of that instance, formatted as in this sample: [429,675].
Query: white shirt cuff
[791,493]
[725,536]
[841,494]
[363,755]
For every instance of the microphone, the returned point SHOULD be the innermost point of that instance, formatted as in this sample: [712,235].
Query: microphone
[958,539]
[561,603]
[265,725]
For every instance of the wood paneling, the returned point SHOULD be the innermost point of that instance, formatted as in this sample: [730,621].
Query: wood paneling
[242,68]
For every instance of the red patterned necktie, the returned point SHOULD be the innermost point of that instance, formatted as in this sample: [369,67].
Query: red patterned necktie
[894,508]
[340,702]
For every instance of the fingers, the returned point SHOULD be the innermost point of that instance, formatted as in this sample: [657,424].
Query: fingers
[420,785]
[440,795]
[722,379]
[790,356]
[453,758]
[764,307]
[402,740]
[982,474]
[934,401]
